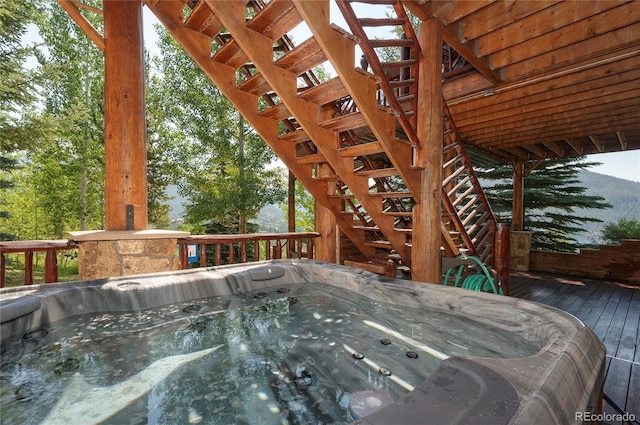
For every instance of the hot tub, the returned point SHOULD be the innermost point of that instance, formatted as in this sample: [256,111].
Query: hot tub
[289,342]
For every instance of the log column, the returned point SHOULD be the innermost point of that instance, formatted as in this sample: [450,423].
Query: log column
[517,206]
[427,217]
[125,127]
[326,225]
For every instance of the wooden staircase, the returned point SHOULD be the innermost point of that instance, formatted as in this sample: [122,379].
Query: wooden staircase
[349,140]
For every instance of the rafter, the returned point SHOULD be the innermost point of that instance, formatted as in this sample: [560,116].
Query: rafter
[73,10]
[622,140]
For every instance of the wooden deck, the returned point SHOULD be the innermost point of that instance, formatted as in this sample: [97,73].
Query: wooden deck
[612,311]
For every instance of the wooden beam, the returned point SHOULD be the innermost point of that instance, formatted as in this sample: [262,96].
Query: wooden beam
[71,7]
[597,142]
[517,207]
[554,117]
[427,216]
[543,24]
[325,224]
[622,140]
[586,50]
[575,145]
[497,16]
[552,88]
[445,12]
[291,210]
[124,115]
[623,122]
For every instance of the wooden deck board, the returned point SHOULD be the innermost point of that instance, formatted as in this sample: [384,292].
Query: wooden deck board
[612,311]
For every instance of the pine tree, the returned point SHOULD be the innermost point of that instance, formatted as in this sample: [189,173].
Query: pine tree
[552,194]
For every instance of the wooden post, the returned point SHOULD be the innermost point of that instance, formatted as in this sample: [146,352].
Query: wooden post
[28,268]
[517,209]
[326,225]
[3,270]
[124,115]
[502,258]
[51,267]
[427,216]
[291,217]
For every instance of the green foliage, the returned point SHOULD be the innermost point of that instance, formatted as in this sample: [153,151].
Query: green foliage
[305,209]
[220,162]
[623,229]
[552,194]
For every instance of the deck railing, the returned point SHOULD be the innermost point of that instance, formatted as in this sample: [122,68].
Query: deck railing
[212,250]
[230,249]
[50,247]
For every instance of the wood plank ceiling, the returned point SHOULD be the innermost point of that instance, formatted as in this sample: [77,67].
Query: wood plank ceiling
[567,72]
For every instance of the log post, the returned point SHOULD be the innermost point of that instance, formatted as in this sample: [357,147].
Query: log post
[502,258]
[325,220]
[427,216]
[291,216]
[517,208]
[125,127]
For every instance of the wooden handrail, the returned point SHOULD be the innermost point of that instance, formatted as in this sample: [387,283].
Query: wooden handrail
[295,244]
[28,248]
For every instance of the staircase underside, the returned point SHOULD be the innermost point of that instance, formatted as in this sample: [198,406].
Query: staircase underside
[350,140]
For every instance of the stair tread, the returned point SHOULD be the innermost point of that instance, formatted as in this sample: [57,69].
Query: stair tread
[277,112]
[394,195]
[360,150]
[256,85]
[297,136]
[275,19]
[381,22]
[303,57]
[202,18]
[231,54]
[325,92]
[345,122]
[380,172]
[316,158]
[393,42]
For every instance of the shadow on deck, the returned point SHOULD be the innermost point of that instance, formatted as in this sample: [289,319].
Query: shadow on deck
[612,311]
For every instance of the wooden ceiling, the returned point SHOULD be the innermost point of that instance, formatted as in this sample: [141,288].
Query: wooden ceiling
[554,78]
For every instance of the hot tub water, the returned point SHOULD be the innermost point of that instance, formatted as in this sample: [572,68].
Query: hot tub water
[292,355]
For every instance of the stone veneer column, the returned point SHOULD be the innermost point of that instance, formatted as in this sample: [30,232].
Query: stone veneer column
[106,253]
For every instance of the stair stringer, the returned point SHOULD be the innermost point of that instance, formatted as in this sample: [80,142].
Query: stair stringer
[340,50]
[258,48]
[197,45]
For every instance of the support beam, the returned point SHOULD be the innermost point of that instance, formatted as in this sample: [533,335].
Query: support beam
[427,216]
[291,213]
[125,128]
[326,225]
[517,213]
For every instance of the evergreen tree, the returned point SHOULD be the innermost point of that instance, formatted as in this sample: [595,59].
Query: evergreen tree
[552,195]
[20,122]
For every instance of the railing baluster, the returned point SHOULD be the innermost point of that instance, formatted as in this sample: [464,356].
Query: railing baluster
[243,251]
[218,254]
[51,267]
[28,268]
[232,254]
[3,270]
[203,255]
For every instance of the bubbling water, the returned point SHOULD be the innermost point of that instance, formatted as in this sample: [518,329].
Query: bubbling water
[294,355]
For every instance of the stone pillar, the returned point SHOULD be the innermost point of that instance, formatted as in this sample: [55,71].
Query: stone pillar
[103,254]
[520,250]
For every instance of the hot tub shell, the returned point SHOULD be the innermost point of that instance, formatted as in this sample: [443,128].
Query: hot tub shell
[563,378]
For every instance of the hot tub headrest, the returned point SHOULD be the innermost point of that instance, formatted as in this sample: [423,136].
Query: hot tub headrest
[18,307]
